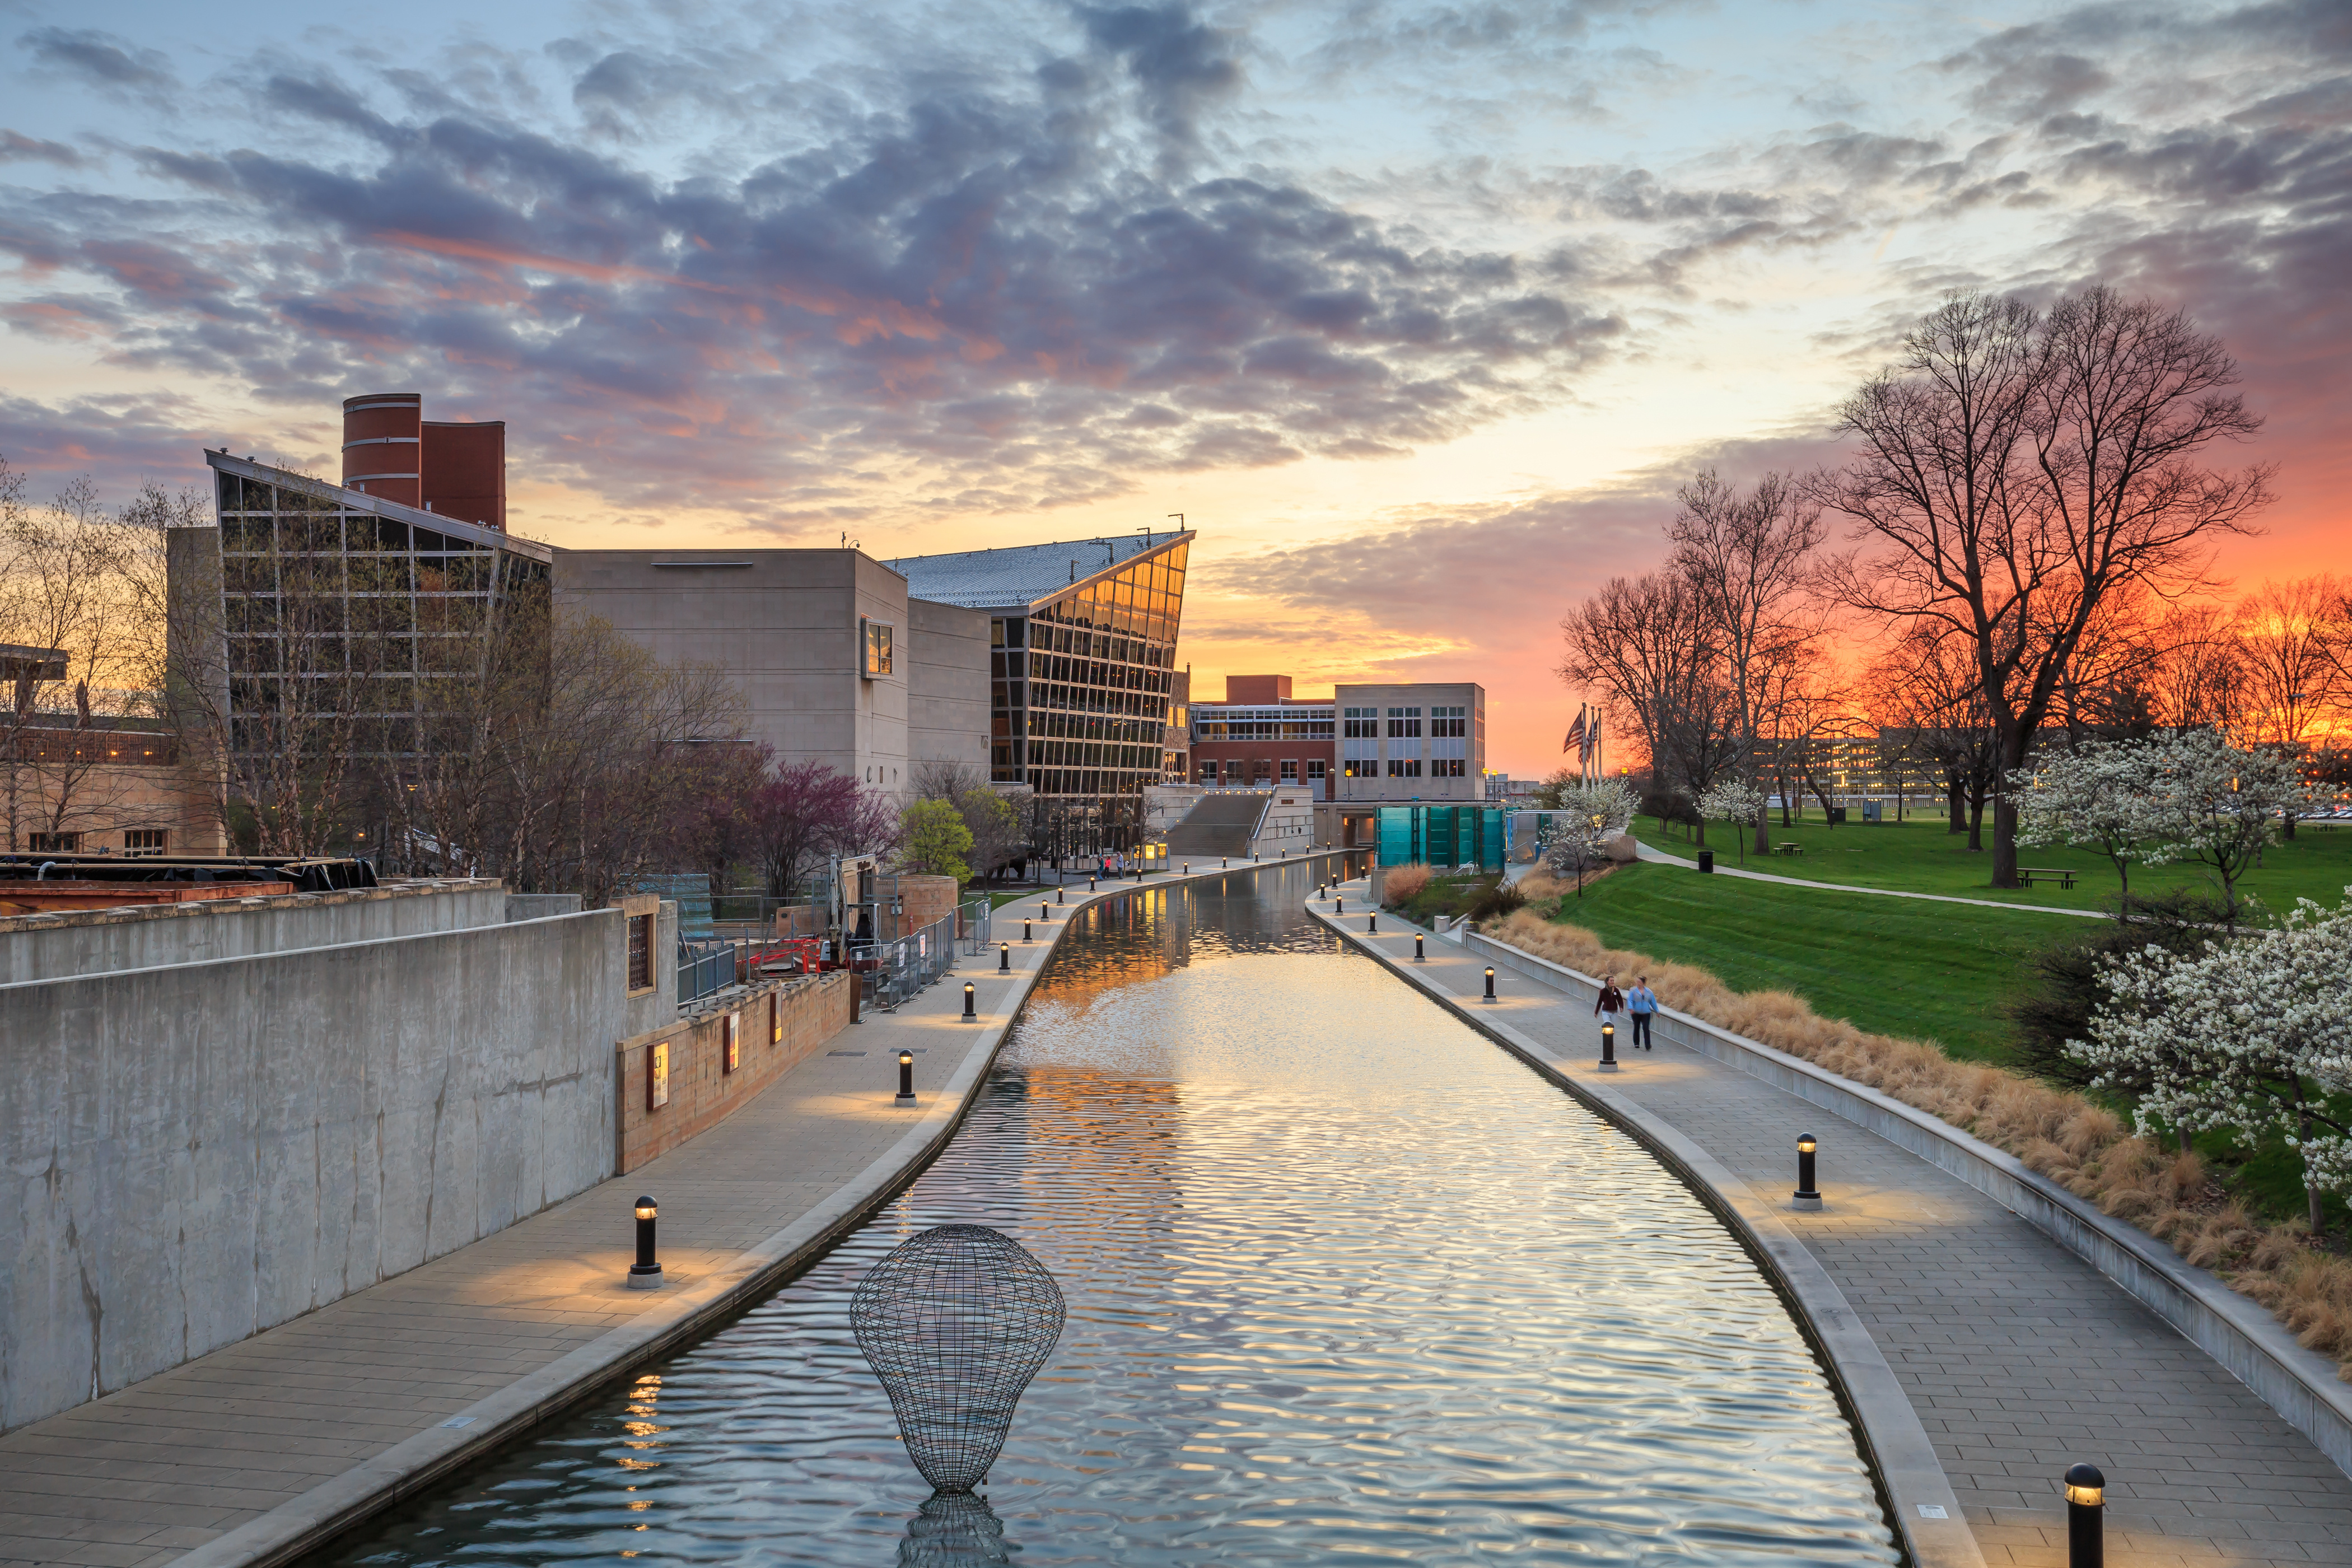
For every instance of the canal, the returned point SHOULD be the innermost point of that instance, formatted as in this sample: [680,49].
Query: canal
[1346,1284]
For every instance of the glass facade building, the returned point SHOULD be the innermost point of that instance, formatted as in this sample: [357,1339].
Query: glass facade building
[1082,674]
[336,603]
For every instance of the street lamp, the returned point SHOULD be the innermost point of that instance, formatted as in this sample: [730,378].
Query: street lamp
[645,1273]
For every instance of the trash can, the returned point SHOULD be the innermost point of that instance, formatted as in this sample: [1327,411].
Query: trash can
[1706,861]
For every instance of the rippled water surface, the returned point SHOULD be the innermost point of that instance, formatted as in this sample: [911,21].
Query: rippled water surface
[1346,1284]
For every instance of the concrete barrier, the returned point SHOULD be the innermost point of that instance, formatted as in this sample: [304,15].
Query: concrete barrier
[676,1082]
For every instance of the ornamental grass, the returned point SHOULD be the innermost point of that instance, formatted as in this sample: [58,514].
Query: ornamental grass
[2071,1140]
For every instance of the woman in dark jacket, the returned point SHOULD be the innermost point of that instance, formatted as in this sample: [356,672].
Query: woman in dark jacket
[1610,1001]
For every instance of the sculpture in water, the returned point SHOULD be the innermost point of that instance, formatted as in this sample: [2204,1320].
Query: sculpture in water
[955,1322]
[953,1529]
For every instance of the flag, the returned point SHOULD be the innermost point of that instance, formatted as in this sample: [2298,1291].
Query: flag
[1575,735]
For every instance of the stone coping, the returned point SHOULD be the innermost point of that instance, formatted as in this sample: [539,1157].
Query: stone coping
[675,1319]
[2240,1334]
[1915,1492]
[238,903]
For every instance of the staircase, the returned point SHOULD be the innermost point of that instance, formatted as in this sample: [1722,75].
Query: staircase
[1223,825]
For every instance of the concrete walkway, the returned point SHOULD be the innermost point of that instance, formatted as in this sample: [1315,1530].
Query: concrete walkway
[1643,851]
[2018,1357]
[264,1449]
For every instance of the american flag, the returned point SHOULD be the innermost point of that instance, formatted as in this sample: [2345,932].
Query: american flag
[1575,733]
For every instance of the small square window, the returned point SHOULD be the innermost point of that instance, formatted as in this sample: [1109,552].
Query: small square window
[56,842]
[876,638]
[145,840]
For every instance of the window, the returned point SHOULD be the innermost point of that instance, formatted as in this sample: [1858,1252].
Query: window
[1446,768]
[1290,770]
[1317,768]
[145,840]
[56,842]
[1261,770]
[1404,767]
[1233,770]
[1404,721]
[877,647]
[1208,772]
[1360,724]
[1448,721]
[641,953]
[1361,768]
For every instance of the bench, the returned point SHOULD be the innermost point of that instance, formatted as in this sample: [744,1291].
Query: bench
[2030,875]
[1788,849]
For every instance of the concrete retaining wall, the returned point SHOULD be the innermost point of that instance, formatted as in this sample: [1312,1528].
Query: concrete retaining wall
[103,941]
[777,1025]
[2300,1384]
[197,1152]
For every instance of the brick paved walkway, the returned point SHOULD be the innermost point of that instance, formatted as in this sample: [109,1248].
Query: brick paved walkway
[178,1460]
[2019,1357]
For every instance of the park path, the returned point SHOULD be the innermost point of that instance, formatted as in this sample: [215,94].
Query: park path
[2019,1357]
[1644,852]
[262,1448]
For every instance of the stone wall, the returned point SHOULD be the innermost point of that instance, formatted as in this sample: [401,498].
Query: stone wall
[200,1150]
[778,1025]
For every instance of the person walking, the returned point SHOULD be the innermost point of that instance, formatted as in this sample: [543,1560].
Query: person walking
[1611,1001]
[1642,1004]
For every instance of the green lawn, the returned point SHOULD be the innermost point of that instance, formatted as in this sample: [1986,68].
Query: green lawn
[1896,966]
[1921,857]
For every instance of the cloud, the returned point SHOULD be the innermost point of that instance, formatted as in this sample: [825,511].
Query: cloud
[100,58]
[14,146]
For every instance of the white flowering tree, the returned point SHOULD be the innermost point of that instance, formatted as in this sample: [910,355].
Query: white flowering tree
[2218,806]
[1595,812]
[2253,1034]
[2102,795]
[1732,801]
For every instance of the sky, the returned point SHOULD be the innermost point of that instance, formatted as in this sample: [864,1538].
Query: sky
[1417,312]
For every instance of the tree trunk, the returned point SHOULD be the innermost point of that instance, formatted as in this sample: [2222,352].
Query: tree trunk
[1763,831]
[2013,739]
[1957,802]
[2311,1190]
[1976,822]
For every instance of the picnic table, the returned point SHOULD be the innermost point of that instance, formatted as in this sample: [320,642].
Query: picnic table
[2058,874]
[1788,849]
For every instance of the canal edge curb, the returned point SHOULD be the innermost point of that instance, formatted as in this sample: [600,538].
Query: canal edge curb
[342,1502]
[1895,1443]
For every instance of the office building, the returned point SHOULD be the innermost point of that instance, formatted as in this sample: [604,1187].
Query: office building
[1261,736]
[1364,744]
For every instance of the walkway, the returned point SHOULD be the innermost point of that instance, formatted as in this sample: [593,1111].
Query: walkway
[2019,1358]
[1644,852]
[259,1450]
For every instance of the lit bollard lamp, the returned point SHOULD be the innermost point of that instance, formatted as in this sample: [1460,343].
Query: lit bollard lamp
[2086,1507]
[1090,884]
[969,1016]
[1057,897]
[1003,958]
[1372,925]
[1044,911]
[1806,1197]
[1338,905]
[645,1273]
[906,1078]
[1417,955]
[1024,931]
[1608,1047]
[1490,985]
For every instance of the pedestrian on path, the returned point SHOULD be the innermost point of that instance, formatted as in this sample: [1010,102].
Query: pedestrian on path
[1643,1002]
[1611,1001]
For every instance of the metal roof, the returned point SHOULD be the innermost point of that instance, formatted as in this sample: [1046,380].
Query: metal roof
[1023,576]
[360,500]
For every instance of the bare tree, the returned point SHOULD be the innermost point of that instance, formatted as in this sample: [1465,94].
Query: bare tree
[1749,562]
[1645,644]
[2016,469]
[2287,638]
[2198,678]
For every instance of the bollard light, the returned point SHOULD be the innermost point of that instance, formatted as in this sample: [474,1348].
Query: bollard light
[1005,958]
[2086,1508]
[1608,1047]
[1372,924]
[1806,1197]
[1417,955]
[1090,884]
[906,1078]
[1188,867]
[1490,983]
[1338,905]
[1224,862]
[969,1016]
[1044,911]
[1024,931]
[1057,897]
[645,1273]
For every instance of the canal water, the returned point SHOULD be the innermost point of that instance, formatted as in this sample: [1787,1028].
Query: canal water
[1346,1284]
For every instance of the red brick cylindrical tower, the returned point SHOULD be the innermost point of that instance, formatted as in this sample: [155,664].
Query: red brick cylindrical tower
[383,446]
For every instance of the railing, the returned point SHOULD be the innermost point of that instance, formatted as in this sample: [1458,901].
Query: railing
[704,967]
[896,970]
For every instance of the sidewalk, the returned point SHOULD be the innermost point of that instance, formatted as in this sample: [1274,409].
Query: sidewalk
[1644,852]
[259,1451]
[2018,1357]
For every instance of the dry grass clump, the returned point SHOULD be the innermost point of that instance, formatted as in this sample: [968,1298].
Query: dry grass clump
[2075,1142]
[1403,882]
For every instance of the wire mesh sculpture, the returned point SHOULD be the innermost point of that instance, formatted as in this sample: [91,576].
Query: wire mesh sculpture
[955,1322]
[953,1529]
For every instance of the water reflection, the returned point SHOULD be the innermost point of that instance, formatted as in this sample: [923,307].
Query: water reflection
[1345,1284]
[953,1531]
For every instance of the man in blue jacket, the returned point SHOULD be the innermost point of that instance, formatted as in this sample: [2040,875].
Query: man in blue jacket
[1642,1004]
